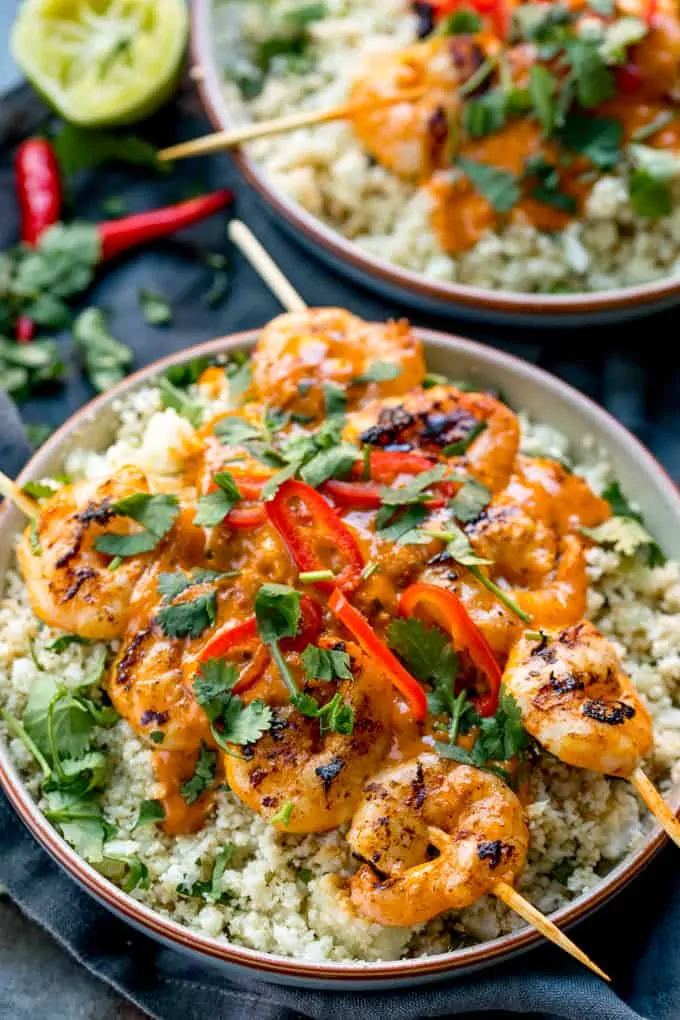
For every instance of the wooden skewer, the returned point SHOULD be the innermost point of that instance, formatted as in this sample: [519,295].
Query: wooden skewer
[263,263]
[280,125]
[656,804]
[10,490]
[528,911]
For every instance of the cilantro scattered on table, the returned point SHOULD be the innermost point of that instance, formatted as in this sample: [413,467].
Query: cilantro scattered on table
[85,149]
[156,310]
[106,360]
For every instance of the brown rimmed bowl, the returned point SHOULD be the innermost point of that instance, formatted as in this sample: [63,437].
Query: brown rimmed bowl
[408,286]
[546,399]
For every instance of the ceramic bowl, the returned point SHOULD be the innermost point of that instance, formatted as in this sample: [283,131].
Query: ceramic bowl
[524,386]
[403,285]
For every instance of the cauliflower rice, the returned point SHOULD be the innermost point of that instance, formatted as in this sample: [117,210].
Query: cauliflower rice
[284,892]
[325,169]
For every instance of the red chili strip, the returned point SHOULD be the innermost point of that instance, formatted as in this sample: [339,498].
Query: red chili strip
[361,630]
[317,539]
[446,610]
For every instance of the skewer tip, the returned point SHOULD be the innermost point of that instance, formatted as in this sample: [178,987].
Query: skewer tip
[656,804]
[533,916]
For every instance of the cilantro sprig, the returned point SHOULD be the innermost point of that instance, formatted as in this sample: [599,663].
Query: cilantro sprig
[277,611]
[501,737]
[210,889]
[624,531]
[155,513]
[203,777]
[231,722]
[214,507]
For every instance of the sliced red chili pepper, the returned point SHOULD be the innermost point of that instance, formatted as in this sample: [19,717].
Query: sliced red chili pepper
[317,539]
[495,11]
[239,643]
[243,518]
[629,78]
[448,612]
[384,467]
[361,630]
[243,638]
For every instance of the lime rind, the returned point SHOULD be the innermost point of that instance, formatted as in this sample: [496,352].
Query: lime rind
[102,62]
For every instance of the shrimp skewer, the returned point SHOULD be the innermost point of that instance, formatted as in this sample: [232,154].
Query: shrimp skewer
[579,704]
[474,822]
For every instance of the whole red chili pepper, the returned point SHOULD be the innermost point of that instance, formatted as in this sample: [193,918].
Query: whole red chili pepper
[39,193]
[120,235]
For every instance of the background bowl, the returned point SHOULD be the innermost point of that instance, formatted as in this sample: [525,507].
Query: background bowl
[545,398]
[426,294]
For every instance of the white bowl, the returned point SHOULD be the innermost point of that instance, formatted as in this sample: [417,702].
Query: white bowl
[544,398]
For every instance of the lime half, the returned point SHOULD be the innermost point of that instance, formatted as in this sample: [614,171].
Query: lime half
[101,62]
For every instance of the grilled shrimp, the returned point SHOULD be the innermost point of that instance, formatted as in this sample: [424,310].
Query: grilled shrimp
[415,137]
[523,550]
[562,599]
[68,581]
[299,352]
[577,701]
[433,419]
[547,492]
[470,818]
[321,775]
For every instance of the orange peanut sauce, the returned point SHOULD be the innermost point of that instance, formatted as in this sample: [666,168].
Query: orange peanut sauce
[151,682]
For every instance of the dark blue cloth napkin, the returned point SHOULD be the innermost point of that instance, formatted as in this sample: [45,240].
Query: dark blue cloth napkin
[637,937]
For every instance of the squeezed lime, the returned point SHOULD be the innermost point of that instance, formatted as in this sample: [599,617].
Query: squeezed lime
[101,62]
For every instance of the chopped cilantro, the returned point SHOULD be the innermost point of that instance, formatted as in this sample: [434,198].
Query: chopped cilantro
[464,21]
[542,91]
[277,610]
[66,640]
[157,736]
[190,618]
[172,396]
[379,371]
[499,187]
[335,399]
[413,491]
[326,663]
[470,500]
[284,814]
[156,514]
[402,526]
[501,737]
[106,359]
[485,115]
[173,583]
[231,722]
[214,507]
[150,811]
[203,777]
[210,890]
[597,138]
[156,310]
[460,447]
[594,82]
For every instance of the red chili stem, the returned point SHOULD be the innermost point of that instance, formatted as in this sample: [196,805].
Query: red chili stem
[119,235]
[39,194]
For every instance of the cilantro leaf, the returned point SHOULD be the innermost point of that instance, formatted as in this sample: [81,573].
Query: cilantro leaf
[337,462]
[413,491]
[547,186]
[335,399]
[459,548]
[172,583]
[238,374]
[618,36]
[624,534]
[599,139]
[594,81]
[402,526]
[156,514]
[156,310]
[106,360]
[326,663]
[62,263]
[214,685]
[245,724]
[210,890]
[429,654]
[485,115]
[190,618]
[172,396]
[461,446]
[234,431]
[649,197]
[336,716]
[188,372]
[72,724]
[83,148]
[618,503]
[470,500]
[277,610]
[502,736]
[150,811]
[65,641]
[80,821]
[499,187]
[379,371]
[461,22]
[203,777]
[213,508]
[542,90]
